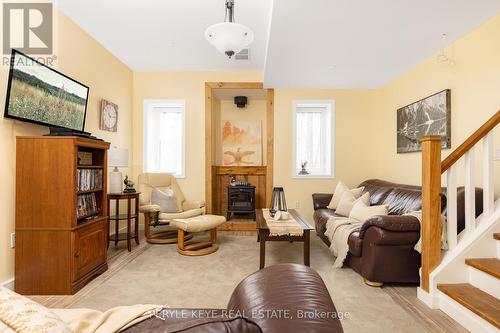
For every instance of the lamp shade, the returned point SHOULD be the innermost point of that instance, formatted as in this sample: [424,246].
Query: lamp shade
[118,157]
[229,37]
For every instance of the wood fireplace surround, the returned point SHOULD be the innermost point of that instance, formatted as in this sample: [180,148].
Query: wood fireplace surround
[217,178]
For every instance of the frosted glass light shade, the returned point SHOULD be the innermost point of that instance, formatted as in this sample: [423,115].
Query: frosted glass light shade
[229,37]
[118,157]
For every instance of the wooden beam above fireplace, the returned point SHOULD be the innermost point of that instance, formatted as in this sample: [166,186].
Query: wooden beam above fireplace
[240,170]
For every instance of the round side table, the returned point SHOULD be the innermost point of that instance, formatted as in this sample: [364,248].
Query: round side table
[128,236]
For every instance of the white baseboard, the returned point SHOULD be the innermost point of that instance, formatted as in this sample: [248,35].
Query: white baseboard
[429,300]
[9,284]
[464,316]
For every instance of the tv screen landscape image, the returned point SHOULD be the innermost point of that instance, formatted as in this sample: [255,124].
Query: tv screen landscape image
[41,95]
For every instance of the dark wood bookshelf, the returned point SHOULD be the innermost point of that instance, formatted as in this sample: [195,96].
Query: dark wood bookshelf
[85,218]
[90,191]
[91,220]
[57,252]
[90,167]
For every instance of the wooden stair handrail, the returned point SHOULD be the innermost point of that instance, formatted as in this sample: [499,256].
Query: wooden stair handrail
[470,142]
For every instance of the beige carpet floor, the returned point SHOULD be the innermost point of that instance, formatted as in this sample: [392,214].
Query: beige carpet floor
[158,274]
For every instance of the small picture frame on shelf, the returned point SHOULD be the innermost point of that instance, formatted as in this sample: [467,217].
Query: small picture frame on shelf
[84,158]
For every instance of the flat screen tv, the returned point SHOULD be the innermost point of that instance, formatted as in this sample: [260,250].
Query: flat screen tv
[41,95]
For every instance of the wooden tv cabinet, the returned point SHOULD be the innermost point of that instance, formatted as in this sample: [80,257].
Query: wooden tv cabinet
[61,243]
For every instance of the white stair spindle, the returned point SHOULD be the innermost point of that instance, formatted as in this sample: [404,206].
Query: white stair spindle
[470,192]
[488,187]
[451,206]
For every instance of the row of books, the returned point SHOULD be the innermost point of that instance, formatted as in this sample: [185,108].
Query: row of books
[88,179]
[86,205]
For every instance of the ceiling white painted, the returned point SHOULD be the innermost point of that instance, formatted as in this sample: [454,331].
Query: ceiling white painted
[362,43]
[298,43]
[162,35]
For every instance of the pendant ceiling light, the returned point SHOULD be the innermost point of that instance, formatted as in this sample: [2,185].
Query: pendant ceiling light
[229,37]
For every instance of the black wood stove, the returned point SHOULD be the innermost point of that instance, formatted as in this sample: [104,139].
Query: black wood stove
[240,200]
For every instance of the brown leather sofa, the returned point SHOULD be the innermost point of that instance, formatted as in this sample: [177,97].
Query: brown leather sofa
[281,298]
[383,249]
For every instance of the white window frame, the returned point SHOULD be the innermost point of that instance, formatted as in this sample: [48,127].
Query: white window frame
[329,105]
[166,103]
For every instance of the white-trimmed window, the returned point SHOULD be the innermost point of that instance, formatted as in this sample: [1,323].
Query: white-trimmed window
[164,136]
[313,126]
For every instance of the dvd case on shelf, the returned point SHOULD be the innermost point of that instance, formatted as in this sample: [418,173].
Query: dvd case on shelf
[88,179]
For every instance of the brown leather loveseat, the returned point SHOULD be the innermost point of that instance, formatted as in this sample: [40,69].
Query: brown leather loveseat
[287,298]
[383,249]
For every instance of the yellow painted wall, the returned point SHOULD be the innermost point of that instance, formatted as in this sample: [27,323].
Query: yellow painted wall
[352,143]
[352,108]
[82,58]
[474,81]
[189,86]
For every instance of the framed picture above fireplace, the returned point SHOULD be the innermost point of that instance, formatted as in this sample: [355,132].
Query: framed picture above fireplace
[428,116]
[241,143]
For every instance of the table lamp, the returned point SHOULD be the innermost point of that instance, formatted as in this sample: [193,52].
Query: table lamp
[118,157]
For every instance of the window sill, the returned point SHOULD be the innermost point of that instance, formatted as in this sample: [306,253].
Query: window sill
[313,177]
[183,176]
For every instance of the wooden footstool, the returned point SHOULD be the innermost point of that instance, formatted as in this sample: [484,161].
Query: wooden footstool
[198,224]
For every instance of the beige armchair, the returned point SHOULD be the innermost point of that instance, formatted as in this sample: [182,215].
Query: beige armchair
[153,218]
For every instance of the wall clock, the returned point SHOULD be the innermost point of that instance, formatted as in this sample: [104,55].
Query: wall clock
[109,116]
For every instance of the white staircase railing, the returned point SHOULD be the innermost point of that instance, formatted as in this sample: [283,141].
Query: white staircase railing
[432,168]
[470,188]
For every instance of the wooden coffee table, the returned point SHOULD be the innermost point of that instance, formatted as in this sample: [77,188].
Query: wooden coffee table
[263,236]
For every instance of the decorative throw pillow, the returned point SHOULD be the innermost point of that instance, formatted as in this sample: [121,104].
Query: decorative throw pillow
[165,199]
[348,200]
[362,211]
[339,190]
[24,315]
[178,194]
